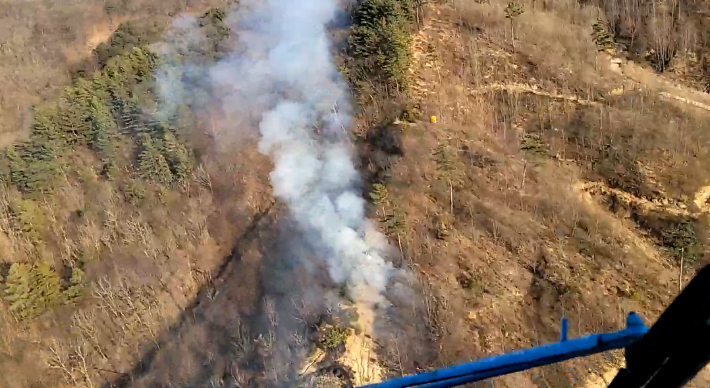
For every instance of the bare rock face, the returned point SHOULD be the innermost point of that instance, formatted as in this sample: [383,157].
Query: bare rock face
[615,65]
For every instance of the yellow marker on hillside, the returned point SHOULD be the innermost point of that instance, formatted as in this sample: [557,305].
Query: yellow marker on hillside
[432,119]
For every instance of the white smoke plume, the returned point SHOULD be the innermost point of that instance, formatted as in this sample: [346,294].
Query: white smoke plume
[280,77]
[285,64]
[172,75]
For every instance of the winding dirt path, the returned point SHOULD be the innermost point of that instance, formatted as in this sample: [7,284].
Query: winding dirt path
[641,77]
[426,70]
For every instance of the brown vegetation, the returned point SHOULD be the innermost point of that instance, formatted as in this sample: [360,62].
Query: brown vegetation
[509,245]
[43,41]
[136,254]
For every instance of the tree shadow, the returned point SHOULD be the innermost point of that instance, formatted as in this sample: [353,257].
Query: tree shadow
[255,323]
[199,347]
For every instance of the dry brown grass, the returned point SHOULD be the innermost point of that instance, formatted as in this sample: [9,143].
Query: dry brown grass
[505,241]
[41,41]
[651,130]
[145,263]
[567,51]
[485,206]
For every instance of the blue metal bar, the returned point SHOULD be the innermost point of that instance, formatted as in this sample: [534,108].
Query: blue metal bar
[524,359]
[563,332]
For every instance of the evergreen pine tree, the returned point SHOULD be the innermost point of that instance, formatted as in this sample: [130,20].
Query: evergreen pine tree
[18,284]
[380,35]
[47,289]
[76,286]
[177,156]
[512,11]
[379,194]
[30,289]
[103,129]
[602,37]
[152,163]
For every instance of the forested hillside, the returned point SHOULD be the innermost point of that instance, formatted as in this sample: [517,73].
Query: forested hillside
[106,208]
[44,43]
[525,160]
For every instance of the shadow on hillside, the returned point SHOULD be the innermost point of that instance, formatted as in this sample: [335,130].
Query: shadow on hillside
[254,323]
[199,349]
[272,275]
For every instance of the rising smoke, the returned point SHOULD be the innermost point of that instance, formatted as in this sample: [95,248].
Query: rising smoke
[284,63]
[280,74]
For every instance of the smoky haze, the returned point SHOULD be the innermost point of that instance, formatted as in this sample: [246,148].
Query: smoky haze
[280,80]
[283,68]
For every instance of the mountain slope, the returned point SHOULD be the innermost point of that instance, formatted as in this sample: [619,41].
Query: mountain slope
[141,244]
